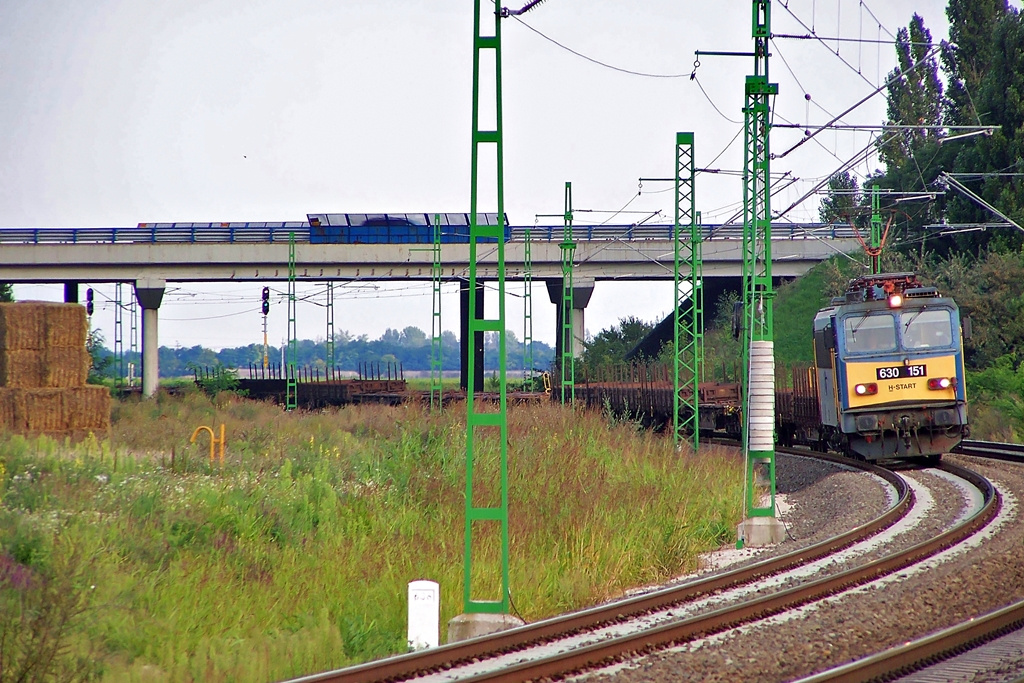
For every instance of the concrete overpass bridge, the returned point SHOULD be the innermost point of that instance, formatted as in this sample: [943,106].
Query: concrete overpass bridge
[152,254]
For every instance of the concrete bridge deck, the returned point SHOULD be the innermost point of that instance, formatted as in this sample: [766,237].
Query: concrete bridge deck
[253,252]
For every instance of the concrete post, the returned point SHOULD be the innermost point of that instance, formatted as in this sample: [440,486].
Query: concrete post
[477,344]
[582,290]
[149,294]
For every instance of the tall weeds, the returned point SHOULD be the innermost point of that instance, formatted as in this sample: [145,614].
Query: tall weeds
[294,556]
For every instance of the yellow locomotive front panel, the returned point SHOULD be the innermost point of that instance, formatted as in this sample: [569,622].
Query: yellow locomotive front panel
[895,381]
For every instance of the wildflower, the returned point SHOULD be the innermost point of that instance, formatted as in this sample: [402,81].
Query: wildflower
[14,574]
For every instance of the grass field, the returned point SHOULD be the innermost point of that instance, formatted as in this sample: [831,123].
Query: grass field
[137,559]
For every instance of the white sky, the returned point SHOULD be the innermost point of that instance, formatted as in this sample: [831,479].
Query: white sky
[116,112]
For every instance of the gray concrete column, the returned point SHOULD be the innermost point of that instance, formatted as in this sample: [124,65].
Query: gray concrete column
[582,290]
[477,345]
[149,294]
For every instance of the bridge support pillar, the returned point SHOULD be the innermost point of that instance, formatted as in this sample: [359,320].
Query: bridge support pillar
[582,290]
[71,292]
[149,294]
[465,344]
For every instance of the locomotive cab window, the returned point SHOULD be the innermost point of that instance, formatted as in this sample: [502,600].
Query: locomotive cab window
[924,329]
[869,332]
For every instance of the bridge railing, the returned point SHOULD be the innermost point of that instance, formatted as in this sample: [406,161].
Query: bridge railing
[278,232]
[780,231]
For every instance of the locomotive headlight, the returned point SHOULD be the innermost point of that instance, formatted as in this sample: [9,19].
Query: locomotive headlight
[869,389]
[895,300]
[939,383]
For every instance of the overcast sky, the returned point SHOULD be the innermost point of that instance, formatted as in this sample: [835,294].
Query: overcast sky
[116,112]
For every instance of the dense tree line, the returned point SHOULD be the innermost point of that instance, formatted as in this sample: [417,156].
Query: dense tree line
[974,79]
[409,347]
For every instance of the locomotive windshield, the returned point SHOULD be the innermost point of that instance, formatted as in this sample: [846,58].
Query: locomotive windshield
[870,332]
[924,329]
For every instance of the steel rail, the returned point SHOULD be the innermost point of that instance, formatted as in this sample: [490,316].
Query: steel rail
[608,652]
[416,663]
[924,652]
[1012,452]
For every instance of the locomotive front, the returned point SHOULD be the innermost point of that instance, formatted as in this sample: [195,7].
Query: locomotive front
[889,359]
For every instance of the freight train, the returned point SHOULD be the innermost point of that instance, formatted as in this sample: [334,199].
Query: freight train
[887,379]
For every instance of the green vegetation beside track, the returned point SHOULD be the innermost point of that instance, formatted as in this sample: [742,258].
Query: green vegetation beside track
[138,560]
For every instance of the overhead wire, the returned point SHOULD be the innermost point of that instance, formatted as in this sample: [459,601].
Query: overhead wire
[859,102]
[598,62]
[631,72]
[785,6]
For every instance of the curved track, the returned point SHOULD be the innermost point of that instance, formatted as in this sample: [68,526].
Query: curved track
[922,653]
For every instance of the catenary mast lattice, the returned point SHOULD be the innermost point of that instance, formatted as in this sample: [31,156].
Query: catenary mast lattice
[689,297]
[758,294]
[291,382]
[436,384]
[567,362]
[482,420]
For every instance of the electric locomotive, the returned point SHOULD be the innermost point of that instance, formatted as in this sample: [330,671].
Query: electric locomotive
[890,370]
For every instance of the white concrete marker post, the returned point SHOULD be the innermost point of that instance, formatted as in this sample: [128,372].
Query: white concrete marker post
[424,614]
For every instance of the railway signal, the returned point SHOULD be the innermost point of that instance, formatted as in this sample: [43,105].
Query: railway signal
[266,310]
[89,306]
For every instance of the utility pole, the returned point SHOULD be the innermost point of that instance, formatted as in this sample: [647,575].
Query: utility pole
[330,328]
[875,245]
[291,383]
[527,310]
[760,526]
[118,335]
[689,305]
[568,358]
[486,430]
[436,381]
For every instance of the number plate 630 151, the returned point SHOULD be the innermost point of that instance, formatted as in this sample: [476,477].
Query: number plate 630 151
[901,371]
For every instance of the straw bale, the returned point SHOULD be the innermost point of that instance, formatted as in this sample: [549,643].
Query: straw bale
[65,367]
[42,410]
[87,408]
[22,325]
[21,368]
[66,326]
[8,398]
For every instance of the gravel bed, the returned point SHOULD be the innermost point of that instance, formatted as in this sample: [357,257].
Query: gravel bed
[850,627]
[821,500]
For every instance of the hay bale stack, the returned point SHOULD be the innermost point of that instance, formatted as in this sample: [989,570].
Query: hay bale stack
[64,367]
[87,408]
[41,410]
[8,398]
[21,368]
[66,326]
[22,326]
[44,366]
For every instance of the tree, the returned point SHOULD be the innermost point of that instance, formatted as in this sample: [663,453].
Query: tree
[102,360]
[914,96]
[6,291]
[842,200]
[611,345]
[999,97]
[968,55]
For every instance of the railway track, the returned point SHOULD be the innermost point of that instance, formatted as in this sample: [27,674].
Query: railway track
[587,654]
[1011,452]
[935,654]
